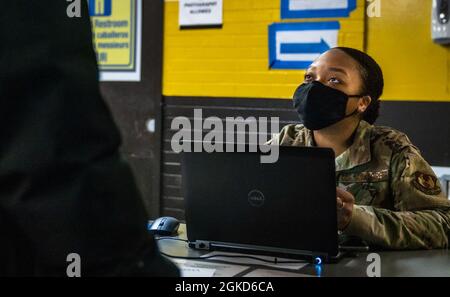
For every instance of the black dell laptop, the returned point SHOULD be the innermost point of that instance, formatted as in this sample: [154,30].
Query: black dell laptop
[236,203]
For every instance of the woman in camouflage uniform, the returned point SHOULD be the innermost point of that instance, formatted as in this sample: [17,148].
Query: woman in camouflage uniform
[387,194]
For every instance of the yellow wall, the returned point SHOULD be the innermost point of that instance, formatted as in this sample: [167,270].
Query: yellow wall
[233,61]
[414,67]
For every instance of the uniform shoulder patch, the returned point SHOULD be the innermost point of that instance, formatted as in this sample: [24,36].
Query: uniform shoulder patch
[426,183]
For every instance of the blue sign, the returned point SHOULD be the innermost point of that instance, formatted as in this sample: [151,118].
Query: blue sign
[297,45]
[100,7]
[293,9]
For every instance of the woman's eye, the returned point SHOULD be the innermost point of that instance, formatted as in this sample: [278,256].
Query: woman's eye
[308,77]
[334,80]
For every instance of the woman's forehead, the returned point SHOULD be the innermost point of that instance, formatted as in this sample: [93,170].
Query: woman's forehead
[336,61]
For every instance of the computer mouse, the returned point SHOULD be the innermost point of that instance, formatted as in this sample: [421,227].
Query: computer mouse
[164,226]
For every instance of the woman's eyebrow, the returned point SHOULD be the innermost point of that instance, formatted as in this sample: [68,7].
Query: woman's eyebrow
[340,70]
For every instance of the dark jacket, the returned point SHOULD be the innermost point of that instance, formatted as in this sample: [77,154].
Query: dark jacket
[63,185]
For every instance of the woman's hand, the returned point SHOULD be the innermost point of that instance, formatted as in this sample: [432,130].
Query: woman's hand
[344,202]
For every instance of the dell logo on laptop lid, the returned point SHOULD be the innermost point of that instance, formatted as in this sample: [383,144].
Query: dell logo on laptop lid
[256,198]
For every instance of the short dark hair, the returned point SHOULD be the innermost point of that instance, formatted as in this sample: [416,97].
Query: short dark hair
[373,82]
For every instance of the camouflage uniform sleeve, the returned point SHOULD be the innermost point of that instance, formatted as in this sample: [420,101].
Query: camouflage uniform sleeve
[421,219]
[285,137]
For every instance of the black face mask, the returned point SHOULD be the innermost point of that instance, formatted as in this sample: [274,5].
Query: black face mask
[320,106]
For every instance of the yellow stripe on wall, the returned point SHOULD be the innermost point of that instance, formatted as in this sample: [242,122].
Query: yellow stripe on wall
[233,61]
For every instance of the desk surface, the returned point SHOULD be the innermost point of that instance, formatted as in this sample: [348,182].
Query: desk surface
[393,263]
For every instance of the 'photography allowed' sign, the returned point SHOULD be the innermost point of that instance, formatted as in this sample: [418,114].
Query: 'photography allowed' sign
[200,13]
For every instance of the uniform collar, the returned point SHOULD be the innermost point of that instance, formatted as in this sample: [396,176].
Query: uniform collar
[357,154]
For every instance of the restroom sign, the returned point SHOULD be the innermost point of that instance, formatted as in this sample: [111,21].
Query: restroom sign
[297,45]
[200,13]
[291,9]
[117,39]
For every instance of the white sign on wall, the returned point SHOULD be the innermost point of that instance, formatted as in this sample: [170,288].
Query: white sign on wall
[316,8]
[200,13]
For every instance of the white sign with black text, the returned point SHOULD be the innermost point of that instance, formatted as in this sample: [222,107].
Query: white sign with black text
[200,13]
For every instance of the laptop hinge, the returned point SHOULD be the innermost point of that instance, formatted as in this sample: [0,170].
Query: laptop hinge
[202,245]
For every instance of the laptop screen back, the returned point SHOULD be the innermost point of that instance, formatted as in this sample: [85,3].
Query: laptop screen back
[290,204]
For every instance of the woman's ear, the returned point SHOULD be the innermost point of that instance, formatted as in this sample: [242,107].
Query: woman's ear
[364,103]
